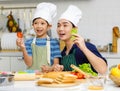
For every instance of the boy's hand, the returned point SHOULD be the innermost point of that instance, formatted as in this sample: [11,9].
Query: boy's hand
[58,67]
[20,43]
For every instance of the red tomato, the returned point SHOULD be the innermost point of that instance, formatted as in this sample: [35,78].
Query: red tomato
[74,73]
[19,34]
[80,76]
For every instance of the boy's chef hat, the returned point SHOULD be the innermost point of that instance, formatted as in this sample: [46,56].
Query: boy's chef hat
[46,11]
[72,14]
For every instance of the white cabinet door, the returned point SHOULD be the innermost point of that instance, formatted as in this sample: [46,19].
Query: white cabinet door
[4,64]
[17,64]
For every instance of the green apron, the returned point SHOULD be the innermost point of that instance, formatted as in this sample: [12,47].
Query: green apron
[67,60]
[41,55]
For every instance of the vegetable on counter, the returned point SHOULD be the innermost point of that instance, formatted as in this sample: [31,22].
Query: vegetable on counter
[84,70]
[86,67]
[78,74]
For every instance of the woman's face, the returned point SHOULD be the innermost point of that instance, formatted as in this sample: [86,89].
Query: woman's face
[64,28]
[41,27]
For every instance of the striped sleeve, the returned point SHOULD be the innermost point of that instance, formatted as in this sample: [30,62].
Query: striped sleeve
[28,46]
[55,49]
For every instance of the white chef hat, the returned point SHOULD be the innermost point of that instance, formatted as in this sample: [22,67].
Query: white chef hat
[46,11]
[72,14]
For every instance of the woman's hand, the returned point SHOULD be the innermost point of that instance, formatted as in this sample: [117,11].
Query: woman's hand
[79,40]
[20,43]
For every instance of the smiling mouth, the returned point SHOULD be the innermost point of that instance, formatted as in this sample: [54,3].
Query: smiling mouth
[61,34]
[39,31]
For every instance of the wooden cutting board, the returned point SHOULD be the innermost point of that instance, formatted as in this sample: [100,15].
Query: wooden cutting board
[79,81]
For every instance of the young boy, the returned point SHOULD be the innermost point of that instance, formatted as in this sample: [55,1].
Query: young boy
[41,53]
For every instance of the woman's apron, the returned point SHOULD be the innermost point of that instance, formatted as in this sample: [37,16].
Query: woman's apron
[41,55]
[67,60]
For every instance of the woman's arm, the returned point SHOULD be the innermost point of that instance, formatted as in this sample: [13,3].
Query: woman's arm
[98,63]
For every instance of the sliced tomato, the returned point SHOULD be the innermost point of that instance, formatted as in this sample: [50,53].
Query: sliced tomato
[80,76]
[19,34]
[74,73]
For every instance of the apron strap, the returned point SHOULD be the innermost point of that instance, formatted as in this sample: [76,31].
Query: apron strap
[48,49]
[34,40]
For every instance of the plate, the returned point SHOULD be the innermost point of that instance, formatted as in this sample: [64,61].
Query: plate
[78,82]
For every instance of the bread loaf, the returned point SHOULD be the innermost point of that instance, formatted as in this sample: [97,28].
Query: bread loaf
[45,81]
[53,75]
[66,78]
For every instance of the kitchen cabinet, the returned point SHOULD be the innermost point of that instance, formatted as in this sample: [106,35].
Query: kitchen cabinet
[17,64]
[12,64]
[112,58]
[4,64]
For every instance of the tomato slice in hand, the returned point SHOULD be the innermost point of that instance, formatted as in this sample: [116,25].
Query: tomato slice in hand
[19,34]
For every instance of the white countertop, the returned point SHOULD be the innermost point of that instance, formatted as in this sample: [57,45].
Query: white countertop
[110,55]
[11,54]
[30,86]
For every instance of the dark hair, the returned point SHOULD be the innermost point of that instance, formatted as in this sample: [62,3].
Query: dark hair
[72,24]
[40,18]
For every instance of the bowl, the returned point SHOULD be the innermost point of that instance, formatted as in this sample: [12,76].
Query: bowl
[96,83]
[6,79]
[115,79]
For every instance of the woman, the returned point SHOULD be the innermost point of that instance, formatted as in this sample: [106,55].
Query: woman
[41,53]
[76,50]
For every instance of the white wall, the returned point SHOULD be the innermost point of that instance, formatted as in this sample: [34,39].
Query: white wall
[99,17]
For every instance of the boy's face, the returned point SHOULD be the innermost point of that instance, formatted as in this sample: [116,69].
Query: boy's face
[64,28]
[41,27]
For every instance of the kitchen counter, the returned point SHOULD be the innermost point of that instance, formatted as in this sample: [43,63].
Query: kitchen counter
[110,55]
[19,54]
[30,86]
[11,54]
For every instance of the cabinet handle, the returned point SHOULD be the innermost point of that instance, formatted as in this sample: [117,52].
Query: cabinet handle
[20,58]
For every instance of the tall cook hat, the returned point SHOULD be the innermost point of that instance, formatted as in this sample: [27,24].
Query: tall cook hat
[72,14]
[46,11]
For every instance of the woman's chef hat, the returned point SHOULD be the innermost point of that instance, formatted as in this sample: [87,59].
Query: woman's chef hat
[46,11]
[72,14]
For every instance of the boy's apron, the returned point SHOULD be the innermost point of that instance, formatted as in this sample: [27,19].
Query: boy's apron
[67,60]
[41,55]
